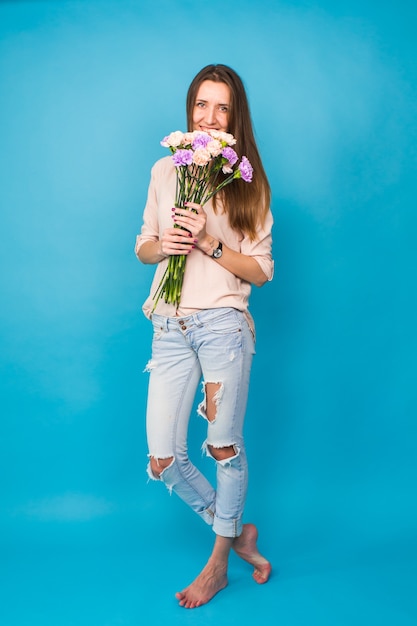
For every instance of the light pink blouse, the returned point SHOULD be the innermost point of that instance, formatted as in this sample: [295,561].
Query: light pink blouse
[206,283]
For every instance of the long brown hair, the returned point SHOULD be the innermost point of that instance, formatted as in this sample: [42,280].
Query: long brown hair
[245,204]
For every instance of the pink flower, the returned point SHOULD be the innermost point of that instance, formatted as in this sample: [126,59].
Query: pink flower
[246,169]
[182,157]
[230,155]
[201,140]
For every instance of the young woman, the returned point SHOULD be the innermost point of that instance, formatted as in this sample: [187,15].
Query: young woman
[210,336]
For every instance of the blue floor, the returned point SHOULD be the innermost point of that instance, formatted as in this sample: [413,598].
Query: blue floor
[124,566]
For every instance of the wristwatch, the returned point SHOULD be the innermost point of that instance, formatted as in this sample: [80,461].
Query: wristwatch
[217,252]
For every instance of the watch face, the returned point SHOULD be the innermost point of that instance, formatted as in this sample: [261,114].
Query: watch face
[218,251]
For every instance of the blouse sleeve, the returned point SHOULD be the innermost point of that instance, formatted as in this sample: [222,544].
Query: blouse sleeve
[261,248]
[150,226]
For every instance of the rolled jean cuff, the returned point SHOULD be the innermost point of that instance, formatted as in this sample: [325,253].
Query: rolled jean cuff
[207,516]
[227,528]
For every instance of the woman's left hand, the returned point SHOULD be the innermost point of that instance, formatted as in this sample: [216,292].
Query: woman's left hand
[193,220]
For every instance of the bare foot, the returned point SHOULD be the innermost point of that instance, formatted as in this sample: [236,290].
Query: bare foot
[245,547]
[210,581]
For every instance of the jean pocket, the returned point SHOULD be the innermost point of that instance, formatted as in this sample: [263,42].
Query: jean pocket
[158,330]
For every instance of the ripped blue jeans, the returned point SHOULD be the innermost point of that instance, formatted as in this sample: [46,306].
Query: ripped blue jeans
[217,346]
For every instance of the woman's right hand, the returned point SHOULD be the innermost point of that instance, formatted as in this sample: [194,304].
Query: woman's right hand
[176,241]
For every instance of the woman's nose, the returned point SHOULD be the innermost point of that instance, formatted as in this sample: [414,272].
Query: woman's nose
[211,115]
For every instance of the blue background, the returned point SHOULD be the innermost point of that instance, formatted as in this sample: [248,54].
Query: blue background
[87,91]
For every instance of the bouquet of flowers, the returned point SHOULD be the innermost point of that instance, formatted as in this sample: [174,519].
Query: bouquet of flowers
[199,157]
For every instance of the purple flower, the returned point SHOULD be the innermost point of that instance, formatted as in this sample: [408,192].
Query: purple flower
[201,140]
[182,157]
[246,170]
[230,155]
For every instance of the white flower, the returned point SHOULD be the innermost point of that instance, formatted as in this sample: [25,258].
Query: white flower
[226,169]
[229,139]
[216,134]
[225,138]
[175,139]
[188,138]
[201,156]
[214,147]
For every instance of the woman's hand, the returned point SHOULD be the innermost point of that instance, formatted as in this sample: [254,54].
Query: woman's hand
[193,218]
[176,241]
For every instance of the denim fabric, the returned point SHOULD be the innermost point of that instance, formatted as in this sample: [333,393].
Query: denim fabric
[217,346]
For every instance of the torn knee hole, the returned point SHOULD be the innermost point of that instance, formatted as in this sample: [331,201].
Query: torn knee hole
[159,465]
[220,454]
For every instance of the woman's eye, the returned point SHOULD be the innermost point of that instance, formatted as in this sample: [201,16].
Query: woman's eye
[200,105]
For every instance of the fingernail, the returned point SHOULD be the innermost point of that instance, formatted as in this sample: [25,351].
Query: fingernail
[173,208]
[195,240]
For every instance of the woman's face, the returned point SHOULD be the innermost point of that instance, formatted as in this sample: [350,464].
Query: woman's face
[212,107]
